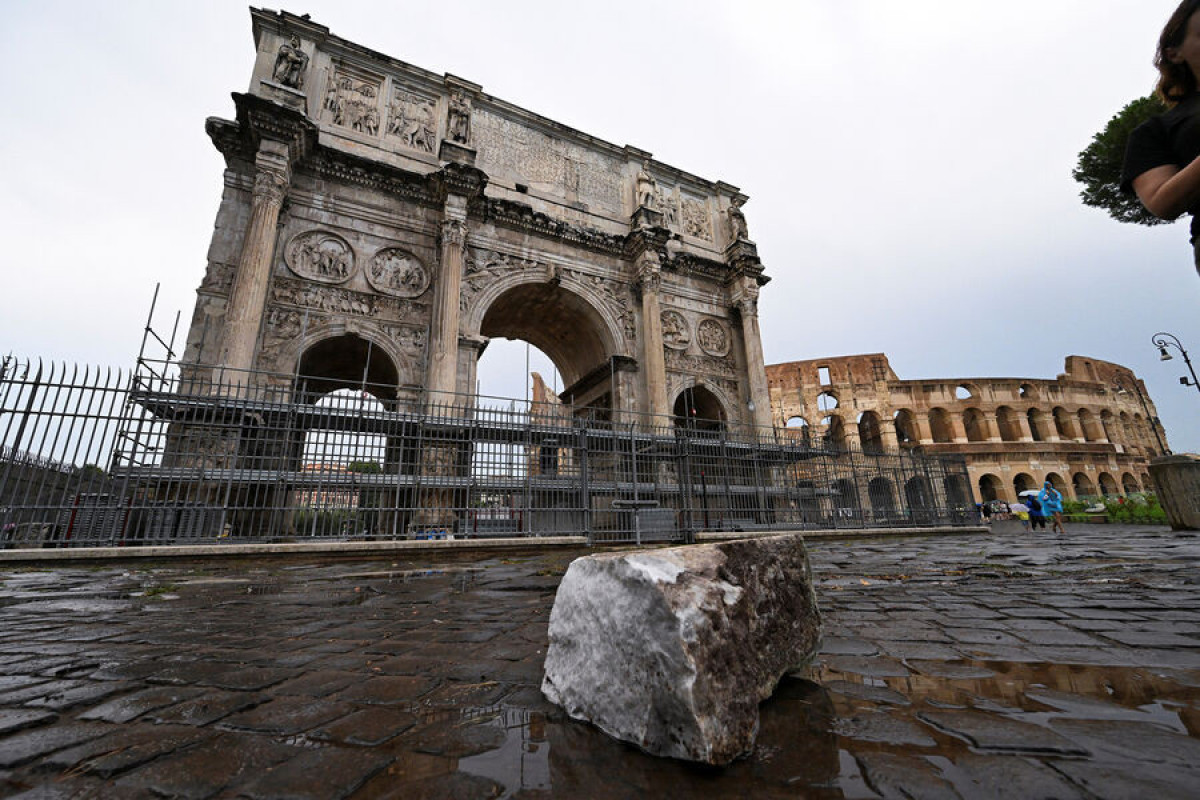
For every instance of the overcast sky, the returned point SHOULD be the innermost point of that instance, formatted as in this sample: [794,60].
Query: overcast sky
[908,164]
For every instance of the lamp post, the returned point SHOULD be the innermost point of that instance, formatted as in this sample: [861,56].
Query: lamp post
[1122,388]
[1162,341]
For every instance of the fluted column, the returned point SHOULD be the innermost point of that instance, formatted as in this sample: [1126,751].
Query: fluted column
[746,300]
[249,294]
[653,361]
[443,354]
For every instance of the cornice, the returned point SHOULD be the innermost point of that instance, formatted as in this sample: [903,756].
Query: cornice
[521,217]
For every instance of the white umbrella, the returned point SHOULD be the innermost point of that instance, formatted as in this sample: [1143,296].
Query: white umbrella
[1028,493]
[1017,507]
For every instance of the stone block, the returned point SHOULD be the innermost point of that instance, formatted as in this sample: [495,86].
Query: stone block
[672,650]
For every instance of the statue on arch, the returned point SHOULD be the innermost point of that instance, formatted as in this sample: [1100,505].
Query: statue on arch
[290,65]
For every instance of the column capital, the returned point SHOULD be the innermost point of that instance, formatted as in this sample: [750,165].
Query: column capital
[454,232]
[745,297]
[648,272]
[461,180]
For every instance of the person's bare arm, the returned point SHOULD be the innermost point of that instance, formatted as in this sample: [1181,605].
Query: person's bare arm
[1169,191]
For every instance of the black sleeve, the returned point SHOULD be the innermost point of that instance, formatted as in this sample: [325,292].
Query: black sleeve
[1148,147]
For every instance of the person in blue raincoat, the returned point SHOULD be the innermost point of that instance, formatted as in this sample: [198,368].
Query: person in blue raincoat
[1052,506]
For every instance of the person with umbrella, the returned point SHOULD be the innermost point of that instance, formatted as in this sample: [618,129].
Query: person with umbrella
[1052,506]
[1030,498]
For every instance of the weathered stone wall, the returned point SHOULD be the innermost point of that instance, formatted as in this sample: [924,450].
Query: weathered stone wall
[1092,430]
[1177,478]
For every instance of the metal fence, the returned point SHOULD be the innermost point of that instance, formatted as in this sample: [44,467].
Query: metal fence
[164,454]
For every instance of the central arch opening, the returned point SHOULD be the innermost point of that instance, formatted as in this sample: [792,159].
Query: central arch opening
[697,408]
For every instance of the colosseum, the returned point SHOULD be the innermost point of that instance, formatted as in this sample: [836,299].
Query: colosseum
[1090,431]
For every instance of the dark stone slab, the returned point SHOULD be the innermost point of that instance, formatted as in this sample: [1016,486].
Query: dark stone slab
[368,727]
[1120,782]
[286,716]
[882,727]
[920,650]
[1152,639]
[207,708]
[837,646]
[456,738]
[980,636]
[132,706]
[88,692]
[877,667]
[1014,778]
[1000,733]
[896,776]
[20,748]
[389,690]
[248,679]
[876,694]
[204,770]
[17,719]
[1136,740]
[124,748]
[318,684]
[25,694]
[330,773]
[950,670]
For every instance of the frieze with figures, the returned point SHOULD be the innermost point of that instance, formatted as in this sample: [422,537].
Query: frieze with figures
[412,120]
[398,273]
[336,300]
[696,221]
[352,101]
[320,256]
[680,361]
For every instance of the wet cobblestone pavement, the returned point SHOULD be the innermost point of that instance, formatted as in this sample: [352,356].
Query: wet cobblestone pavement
[1008,666]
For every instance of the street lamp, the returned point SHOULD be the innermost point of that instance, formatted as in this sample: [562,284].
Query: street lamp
[1122,388]
[1164,340]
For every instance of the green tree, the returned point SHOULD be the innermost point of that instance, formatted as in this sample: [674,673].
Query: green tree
[1099,167]
[364,467]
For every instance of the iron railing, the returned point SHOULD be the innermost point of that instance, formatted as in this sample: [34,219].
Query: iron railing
[164,454]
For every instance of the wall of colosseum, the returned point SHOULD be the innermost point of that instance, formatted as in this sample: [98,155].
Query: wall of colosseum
[1092,430]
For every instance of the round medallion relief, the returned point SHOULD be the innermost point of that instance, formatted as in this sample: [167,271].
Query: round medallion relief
[398,273]
[675,332]
[320,256]
[713,337]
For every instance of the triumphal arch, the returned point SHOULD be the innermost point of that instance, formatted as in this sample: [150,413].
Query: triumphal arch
[381,222]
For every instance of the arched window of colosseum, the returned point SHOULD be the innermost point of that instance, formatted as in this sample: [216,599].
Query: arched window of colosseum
[906,426]
[973,422]
[966,391]
[883,500]
[1023,482]
[870,433]
[990,488]
[834,431]
[1130,484]
[939,425]
[1038,424]
[827,401]
[1062,423]
[846,498]
[1010,426]
[1027,392]
[957,494]
[1082,485]
[1108,485]
[1058,483]
[1090,426]
[919,495]
[823,376]
[797,428]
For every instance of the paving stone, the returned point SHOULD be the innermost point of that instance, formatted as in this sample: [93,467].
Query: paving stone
[25,694]
[877,667]
[247,679]
[14,719]
[456,738]
[18,748]
[88,692]
[1132,740]
[287,715]
[329,773]
[1125,782]
[997,733]
[876,694]
[121,749]
[896,776]
[368,727]
[388,690]
[920,650]
[203,771]
[882,727]
[132,706]
[319,683]
[1152,639]
[980,636]
[207,708]
[12,682]
[1014,778]
[950,670]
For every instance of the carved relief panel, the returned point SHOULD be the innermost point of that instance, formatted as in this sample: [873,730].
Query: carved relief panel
[412,120]
[675,333]
[320,256]
[713,337]
[696,220]
[398,273]
[352,100]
